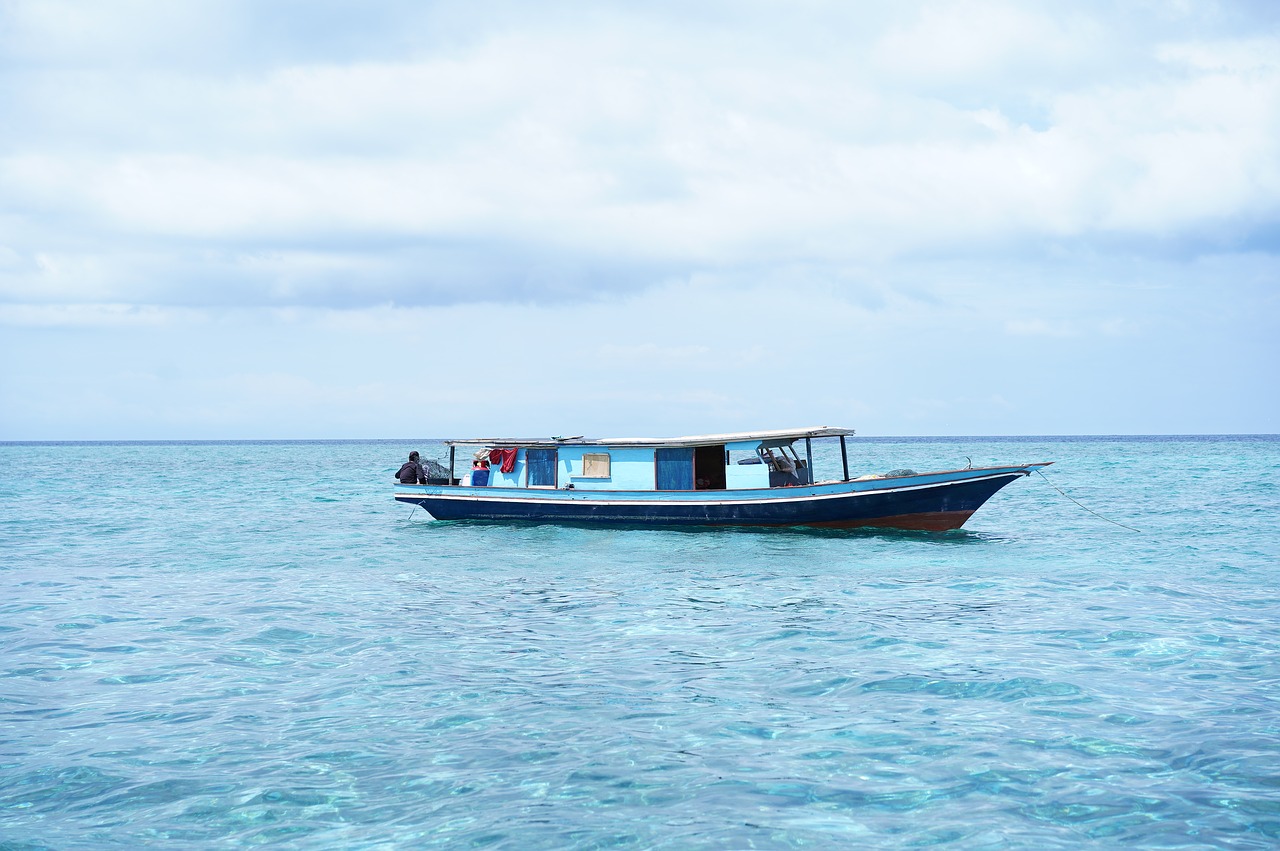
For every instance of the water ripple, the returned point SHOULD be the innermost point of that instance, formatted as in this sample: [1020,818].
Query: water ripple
[295,663]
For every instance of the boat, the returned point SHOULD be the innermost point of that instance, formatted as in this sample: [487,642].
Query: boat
[763,478]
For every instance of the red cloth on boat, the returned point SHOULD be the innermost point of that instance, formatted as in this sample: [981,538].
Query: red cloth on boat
[505,457]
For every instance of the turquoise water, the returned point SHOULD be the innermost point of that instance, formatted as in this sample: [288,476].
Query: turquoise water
[252,644]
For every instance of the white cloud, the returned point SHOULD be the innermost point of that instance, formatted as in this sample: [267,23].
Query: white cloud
[93,315]
[968,40]
[926,194]
[633,138]
[1040,328]
[653,354]
[1234,56]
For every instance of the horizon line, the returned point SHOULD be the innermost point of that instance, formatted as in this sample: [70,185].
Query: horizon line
[230,440]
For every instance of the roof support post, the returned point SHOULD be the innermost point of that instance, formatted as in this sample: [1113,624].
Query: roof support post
[808,455]
[452,450]
[844,458]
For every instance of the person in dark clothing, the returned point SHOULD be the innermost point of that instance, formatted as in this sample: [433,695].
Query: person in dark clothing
[411,472]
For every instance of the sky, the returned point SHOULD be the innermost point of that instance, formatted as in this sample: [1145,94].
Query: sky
[318,219]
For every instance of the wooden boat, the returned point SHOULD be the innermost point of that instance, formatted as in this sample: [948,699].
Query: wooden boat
[760,478]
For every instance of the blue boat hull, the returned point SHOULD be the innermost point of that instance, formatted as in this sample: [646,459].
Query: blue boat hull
[932,502]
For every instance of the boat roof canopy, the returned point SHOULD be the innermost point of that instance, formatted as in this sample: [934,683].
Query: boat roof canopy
[775,438]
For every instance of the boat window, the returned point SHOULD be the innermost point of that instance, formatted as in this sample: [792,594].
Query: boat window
[541,464]
[595,465]
[828,463]
[786,469]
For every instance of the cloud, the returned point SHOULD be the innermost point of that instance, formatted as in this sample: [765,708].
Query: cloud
[952,43]
[711,354]
[207,155]
[92,315]
[1039,327]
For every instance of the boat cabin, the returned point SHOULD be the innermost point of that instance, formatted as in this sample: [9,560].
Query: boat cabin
[749,460]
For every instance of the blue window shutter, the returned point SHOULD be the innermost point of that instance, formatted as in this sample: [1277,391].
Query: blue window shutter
[542,467]
[674,469]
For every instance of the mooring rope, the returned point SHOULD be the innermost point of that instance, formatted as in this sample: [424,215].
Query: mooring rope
[1085,507]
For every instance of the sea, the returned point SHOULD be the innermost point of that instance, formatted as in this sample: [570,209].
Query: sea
[250,644]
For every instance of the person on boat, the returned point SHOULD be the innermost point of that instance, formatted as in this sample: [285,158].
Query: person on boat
[411,472]
[480,472]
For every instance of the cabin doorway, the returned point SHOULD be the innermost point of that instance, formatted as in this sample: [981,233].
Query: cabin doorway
[708,468]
